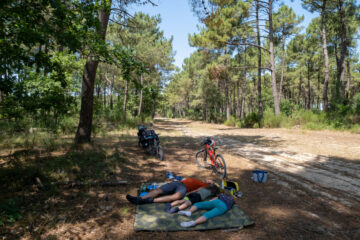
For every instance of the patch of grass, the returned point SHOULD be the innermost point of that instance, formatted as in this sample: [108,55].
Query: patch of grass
[9,212]
[125,211]
[38,139]
[134,122]
[312,120]
[315,126]
[355,128]
[22,166]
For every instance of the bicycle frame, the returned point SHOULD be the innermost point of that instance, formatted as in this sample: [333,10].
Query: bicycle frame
[211,154]
[217,164]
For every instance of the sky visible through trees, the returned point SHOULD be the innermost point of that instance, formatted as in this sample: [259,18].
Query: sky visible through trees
[178,20]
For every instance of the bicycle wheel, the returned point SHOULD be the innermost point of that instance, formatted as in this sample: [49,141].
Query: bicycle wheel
[151,147]
[160,153]
[219,167]
[200,158]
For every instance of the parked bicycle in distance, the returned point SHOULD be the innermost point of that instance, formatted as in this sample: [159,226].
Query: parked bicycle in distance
[149,140]
[216,161]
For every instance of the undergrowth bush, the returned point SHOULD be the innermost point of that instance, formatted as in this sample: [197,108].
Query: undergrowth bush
[356,103]
[355,128]
[251,120]
[231,122]
[287,107]
[68,124]
[302,117]
[271,120]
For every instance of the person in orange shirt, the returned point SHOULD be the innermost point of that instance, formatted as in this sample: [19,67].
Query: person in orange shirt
[172,191]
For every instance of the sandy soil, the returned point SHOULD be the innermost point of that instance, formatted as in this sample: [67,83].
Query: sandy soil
[325,163]
[312,192]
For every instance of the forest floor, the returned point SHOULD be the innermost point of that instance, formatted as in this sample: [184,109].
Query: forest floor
[312,191]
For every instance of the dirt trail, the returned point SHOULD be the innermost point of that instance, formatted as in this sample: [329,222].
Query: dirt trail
[325,163]
[312,191]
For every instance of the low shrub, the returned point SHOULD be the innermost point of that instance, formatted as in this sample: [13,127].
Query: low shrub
[251,119]
[271,120]
[356,103]
[355,128]
[287,107]
[302,117]
[231,122]
[68,124]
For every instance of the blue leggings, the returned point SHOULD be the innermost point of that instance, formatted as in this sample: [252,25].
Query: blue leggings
[217,207]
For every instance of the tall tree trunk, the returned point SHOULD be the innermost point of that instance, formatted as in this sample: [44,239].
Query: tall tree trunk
[341,70]
[173,112]
[326,57]
[233,107]
[255,89]
[272,61]
[259,64]
[300,87]
[226,90]
[125,99]
[111,91]
[153,109]
[309,86]
[83,133]
[243,89]
[227,100]
[220,111]
[203,112]
[348,80]
[141,94]
[178,110]
[318,87]
[215,114]
[207,114]
[282,66]
[104,91]
[237,112]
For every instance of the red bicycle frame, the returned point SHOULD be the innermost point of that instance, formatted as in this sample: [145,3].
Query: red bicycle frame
[211,153]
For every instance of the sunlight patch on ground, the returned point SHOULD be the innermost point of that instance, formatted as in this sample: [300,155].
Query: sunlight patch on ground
[277,212]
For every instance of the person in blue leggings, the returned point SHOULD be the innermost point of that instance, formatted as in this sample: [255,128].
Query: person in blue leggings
[217,207]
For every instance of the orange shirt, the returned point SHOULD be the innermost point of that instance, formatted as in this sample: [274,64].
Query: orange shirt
[192,184]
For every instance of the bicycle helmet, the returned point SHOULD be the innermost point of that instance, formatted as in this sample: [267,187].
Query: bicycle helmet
[208,141]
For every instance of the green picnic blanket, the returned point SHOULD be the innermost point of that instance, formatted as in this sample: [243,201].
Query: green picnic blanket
[152,217]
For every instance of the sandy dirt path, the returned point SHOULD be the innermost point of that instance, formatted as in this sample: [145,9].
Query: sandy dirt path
[322,162]
[312,190]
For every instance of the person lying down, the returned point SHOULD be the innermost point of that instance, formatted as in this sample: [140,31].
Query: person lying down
[217,206]
[192,197]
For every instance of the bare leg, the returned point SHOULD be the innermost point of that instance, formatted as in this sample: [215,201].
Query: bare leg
[177,202]
[200,220]
[185,205]
[193,209]
[169,198]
